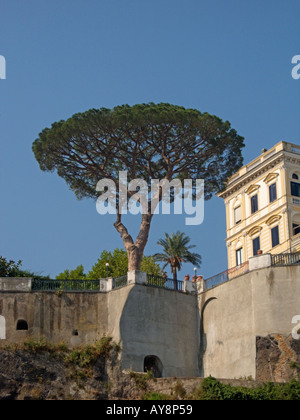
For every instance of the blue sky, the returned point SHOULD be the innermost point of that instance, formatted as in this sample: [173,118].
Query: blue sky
[230,58]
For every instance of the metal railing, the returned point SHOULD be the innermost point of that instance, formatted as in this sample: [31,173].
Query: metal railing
[164,283]
[65,285]
[216,280]
[238,270]
[227,275]
[120,282]
[292,258]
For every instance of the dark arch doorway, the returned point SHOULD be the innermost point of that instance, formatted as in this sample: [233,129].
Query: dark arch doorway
[22,325]
[154,365]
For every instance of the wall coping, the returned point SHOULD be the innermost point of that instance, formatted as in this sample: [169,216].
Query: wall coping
[15,284]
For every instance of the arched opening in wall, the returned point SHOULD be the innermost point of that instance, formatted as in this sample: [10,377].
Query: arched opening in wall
[22,325]
[204,335]
[154,365]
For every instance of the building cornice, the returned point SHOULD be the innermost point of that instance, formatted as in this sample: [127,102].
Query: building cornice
[236,185]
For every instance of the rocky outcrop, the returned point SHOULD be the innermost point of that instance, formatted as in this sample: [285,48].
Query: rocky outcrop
[278,358]
[77,375]
[24,376]
[47,376]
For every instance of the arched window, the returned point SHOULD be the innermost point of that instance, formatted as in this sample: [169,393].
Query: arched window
[154,365]
[22,325]
[295,176]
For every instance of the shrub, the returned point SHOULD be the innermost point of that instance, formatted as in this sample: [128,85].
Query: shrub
[37,346]
[86,356]
[179,391]
[212,389]
[155,396]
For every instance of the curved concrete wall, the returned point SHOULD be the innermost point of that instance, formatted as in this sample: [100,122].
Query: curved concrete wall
[164,324]
[259,303]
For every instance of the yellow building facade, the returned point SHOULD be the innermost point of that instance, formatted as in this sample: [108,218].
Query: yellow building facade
[262,203]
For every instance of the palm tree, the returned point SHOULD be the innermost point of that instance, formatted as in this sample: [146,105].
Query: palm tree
[177,251]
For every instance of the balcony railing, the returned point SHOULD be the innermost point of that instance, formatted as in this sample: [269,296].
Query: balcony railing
[292,258]
[164,283]
[216,280]
[226,275]
[120,282]
[65,285]
[296,201]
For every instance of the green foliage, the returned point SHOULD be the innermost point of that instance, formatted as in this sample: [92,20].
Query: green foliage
[149,266]
[146,140]
[141,379]
[118,263]
[179,391]
[76,274]
[212,389]
[118,266]
[155,396]
[10,268]
[176,251]
[87,356]
[38,346]
[84,356]
[295,365]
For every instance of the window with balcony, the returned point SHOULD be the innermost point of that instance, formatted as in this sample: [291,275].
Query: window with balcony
[275,236]
[254,204]
[273,192]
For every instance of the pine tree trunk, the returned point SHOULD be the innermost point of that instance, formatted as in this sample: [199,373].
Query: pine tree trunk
[135,250]
[135,256]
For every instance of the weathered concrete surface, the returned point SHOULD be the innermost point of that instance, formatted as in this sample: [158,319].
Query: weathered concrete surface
[146,322]
[233,314]
[15,284]
[161,323]
[55,316]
